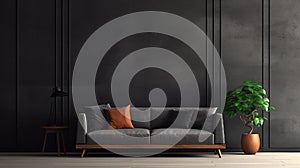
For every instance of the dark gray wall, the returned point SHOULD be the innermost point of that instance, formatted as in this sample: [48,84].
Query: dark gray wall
[258,40]
[241,52]
[285,82]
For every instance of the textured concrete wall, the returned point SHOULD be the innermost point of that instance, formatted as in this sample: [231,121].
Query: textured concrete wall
[261,42]
[241,52]
[285,70]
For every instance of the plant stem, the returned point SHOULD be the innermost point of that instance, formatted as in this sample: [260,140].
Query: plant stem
[247,124]
[251,129]
[243,120]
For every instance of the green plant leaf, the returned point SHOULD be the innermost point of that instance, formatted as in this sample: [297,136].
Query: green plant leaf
[263,92]
[246,100]
[258,121]
[272,108]
[246,81]
[261,121]
[266,99]
[251,90]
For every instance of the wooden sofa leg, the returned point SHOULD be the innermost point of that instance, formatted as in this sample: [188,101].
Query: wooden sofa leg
[83,153]
[218,151]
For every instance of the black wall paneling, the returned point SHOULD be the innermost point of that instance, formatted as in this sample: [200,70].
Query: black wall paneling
[36,69]
[257,40]
[87,17]
[66,72]
[8,58]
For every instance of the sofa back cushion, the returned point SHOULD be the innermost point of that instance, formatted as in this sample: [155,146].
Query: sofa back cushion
[154,117]
[140,117]
[184,117]
[95,117]
[162,117]
[202,114]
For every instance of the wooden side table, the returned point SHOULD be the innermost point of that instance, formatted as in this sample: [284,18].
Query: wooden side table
[59,131]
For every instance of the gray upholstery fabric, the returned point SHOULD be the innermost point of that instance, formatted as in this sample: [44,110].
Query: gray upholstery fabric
[81,129]
[96,119]
[214,123]
[173,135]
[202,115]
[186,117]
[211,132]
[162,117]
[165,117]
[140,117]
[219,131]
[119,136]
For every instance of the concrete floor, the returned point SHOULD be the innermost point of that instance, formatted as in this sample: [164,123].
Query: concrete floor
[229,160]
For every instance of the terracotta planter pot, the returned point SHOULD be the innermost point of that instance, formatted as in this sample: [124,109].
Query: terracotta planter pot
[250,143]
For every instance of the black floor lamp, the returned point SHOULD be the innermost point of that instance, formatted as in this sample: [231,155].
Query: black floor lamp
[57,92]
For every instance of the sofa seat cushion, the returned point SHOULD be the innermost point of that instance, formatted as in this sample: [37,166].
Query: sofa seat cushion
[181,136]
[119,136]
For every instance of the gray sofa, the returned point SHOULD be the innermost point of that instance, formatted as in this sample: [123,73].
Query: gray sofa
[183,128]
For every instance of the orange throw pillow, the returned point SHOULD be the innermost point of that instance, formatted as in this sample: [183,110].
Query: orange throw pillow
[119,117]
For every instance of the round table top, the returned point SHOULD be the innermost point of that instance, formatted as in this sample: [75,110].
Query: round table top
[54,127]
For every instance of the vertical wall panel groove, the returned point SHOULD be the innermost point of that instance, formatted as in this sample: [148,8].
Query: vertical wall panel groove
[262,59]
[55,58]
[17,73]
[269,69]
[62,41]
[265,65]
[206,61]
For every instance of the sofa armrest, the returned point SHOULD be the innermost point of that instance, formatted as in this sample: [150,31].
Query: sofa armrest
[214,124]
[81,129]
[218,123]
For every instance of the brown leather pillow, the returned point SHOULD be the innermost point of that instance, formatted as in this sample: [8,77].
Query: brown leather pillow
[119,117]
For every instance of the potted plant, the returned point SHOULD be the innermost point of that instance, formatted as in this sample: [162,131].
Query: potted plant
[248,101]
